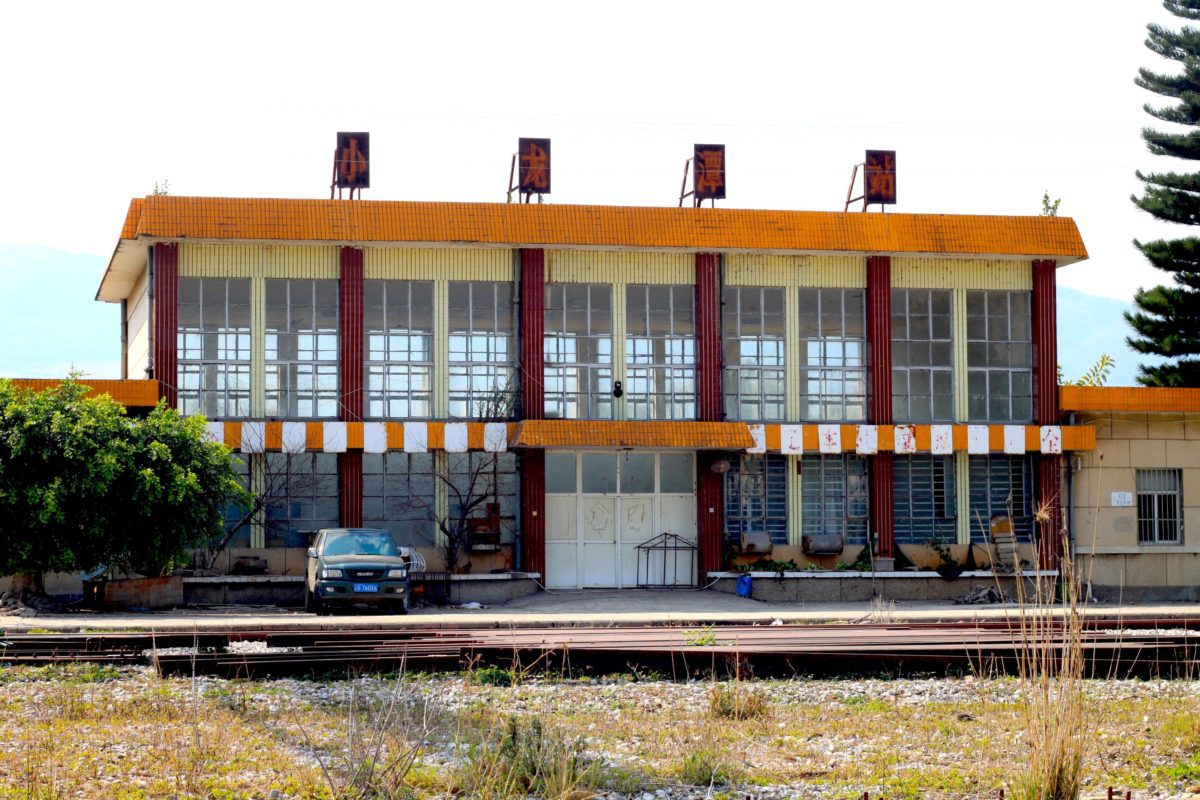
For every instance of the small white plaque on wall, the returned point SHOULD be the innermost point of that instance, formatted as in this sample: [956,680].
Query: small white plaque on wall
[1122,499]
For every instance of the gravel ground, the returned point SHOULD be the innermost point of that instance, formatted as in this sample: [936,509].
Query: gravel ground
[105,732]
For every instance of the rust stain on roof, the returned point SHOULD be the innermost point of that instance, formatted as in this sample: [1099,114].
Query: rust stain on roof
[1128,398]
[605,433]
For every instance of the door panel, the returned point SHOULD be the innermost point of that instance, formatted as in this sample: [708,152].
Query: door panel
[599,548]
[677,515]
[637,526]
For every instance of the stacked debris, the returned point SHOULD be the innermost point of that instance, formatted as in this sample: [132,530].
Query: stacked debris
[983,595]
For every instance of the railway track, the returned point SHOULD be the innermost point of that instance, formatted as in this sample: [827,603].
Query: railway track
[1163,646]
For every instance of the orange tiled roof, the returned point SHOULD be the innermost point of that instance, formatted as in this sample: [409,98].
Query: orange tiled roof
[132,394]
[703,229]
[604,433]
[1128,398]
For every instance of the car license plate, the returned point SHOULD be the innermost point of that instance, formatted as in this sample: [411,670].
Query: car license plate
[360,588]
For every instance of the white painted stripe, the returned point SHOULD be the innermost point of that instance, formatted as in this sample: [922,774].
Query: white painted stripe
[456,437]
[215,432]
[866,440]
[295,437]
[254,437]
[905,439]
[977,440]
[1051,436]
[791,439]
[1014,439]
[941,439]
[416,437]
[759,434]
[335,437]
[830,438]
[495,437]
[374,437]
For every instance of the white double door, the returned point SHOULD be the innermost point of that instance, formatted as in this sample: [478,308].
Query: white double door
[601,505]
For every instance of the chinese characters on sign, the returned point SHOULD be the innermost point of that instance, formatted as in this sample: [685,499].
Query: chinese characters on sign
[708,175]
[534,155]
[879,177]
[353,161]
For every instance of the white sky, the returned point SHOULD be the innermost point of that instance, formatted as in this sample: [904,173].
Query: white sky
[987,104]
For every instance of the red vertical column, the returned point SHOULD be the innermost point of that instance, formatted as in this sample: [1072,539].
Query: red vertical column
[166,321]
[1045,403]
[351,389]
[879,350]
[532,372]
[710,509]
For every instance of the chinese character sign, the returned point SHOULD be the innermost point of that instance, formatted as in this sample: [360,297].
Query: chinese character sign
[708,175]
[534,155]
[879,177]
[353,161]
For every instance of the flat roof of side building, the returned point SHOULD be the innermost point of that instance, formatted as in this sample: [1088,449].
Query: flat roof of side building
[725,230]
[1144,399]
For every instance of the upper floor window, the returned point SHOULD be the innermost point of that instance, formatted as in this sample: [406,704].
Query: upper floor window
[398,326]
[213,341]
[1160,506]
[660,352]
[753,336]
[578,351]
[922,356]
[999,357]
[302,348]
[482,349]
[833,363]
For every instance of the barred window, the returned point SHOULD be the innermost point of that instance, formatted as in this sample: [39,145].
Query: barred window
[755,384]
[1160,506]
[213,341]
[834,496]
[578,351]
[302,348]
[482,488]
[233,515]
[301,496]
[922,355]
[923,506]
[999,357]
[756,497]
[398,496]
[833,375]
[482,349]
[1001,485]
[398,326]
[660,352]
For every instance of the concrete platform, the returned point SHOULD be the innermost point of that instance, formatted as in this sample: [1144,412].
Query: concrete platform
[575,608]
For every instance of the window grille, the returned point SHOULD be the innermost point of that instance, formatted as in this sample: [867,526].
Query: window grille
[398,326]
[1160,506]
[756,497]
[753,327]
[1000,485]
[578,351]
[999,357]
[482,349]
[923,499]
[660,352]
[922,356]
[833,375]
[213,341]
[301,496]
[302,348]
[834,497]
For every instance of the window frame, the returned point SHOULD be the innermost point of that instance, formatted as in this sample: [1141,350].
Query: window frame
[985,370]
[213,384]
[400,385]
[660,369]
[919,337]
[756,492]
[295,383]
[481,380]
[832,363]
[572,383]
[919,522]
[1150,498]
[818,516]
[1022,512]
[762,380]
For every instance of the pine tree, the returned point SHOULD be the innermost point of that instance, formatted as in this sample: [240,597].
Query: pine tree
[1167,322]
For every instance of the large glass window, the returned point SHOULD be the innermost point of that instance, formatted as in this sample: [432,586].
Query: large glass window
[302,348]
[834,497]
[1001,485]
[833,373]
[923,505]
[756,497]
[482,349]
[398,325]
[213,341]
[753,322]
[482,490]
[398,496]
[578,351]
[1160,506]
[300,495]
[999,357]
[660,352]
[922,355]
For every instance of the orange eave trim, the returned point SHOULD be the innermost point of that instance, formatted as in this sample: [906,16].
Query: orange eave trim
[1128,398]
[688,229]
[130,393]
[604,433]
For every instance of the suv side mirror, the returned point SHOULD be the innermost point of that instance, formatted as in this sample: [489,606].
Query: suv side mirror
[312,552]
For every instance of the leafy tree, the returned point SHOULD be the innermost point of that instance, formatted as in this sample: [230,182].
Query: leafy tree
[1097,374]
[1167,320]
[83,485]
[1050,207]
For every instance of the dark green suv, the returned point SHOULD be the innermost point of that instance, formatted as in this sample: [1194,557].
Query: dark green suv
[356,566]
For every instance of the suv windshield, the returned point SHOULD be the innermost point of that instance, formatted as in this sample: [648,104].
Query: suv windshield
[355,543]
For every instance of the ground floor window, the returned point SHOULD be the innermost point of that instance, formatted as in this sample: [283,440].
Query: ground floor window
[300,497]
[1160,506]
[1001,485]
[398,496]
[482,491]
[236,516]
[756,497]
[923,499]
[834,497]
